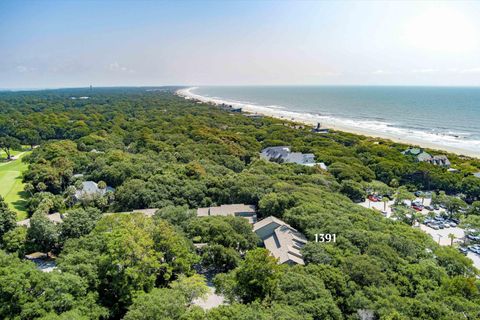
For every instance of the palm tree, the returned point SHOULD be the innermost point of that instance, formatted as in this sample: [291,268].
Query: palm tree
[415,216]
[385,201]
[452,237]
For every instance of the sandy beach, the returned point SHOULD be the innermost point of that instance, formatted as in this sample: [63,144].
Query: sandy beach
[332,123]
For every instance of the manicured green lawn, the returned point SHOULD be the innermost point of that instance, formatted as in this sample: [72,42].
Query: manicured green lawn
[11,186]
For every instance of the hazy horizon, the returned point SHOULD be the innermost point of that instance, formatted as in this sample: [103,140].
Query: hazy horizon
[54,44]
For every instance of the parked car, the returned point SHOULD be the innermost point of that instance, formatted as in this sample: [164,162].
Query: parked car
[463,250]
[429,208]
[418,208]
[373,198]
[473,238]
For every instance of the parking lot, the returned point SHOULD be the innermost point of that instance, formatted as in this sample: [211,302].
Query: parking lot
[441,235]
[438,229]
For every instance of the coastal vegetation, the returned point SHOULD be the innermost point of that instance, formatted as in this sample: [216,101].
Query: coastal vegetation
[157,150]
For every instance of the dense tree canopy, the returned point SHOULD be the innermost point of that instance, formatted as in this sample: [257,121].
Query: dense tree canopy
[162,152]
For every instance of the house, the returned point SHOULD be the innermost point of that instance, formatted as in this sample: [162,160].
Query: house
[422,156]
[418,153]
[282,154]
[90,189]
[412,151]
[254,115]
[237,210]
[55,217]
[283,241]
[441,161]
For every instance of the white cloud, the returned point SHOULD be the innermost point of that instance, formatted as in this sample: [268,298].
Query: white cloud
[472,70]
[115,66]
[380,71]
[427,70]
[24,69]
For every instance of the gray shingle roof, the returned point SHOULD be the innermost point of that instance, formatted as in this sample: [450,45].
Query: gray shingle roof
[283,241]
[284,155]
[238,210]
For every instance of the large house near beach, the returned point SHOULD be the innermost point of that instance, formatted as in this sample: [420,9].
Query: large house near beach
[421,156]
[283,241]
[283,154]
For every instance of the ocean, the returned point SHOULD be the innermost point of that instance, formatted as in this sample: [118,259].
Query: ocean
[443,117]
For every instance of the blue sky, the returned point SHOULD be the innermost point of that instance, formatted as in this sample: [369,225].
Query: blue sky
[108,43]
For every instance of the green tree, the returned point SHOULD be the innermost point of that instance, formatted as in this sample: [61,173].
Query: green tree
[231,232]
[455,263]
[220,258]
[8,143]
[474,209]
[42,234]
[8,218]
[177,216]
[15,241]
[177,251]
[159,304]
[353,190]
[452,237]
[453,205]
[78,222]
[128,261]
[192,287]
[403,194]
[255,278]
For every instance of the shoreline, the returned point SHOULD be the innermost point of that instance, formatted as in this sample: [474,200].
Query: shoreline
[328,122]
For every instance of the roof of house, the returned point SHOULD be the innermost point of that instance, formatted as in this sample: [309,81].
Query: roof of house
[424,156]
[441,160]
[90,188]
[147,212]
[284,154]
[412,151]
[241,210]
[283,241]
[279,152]
[300,158]
[477,174]
[55,217]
